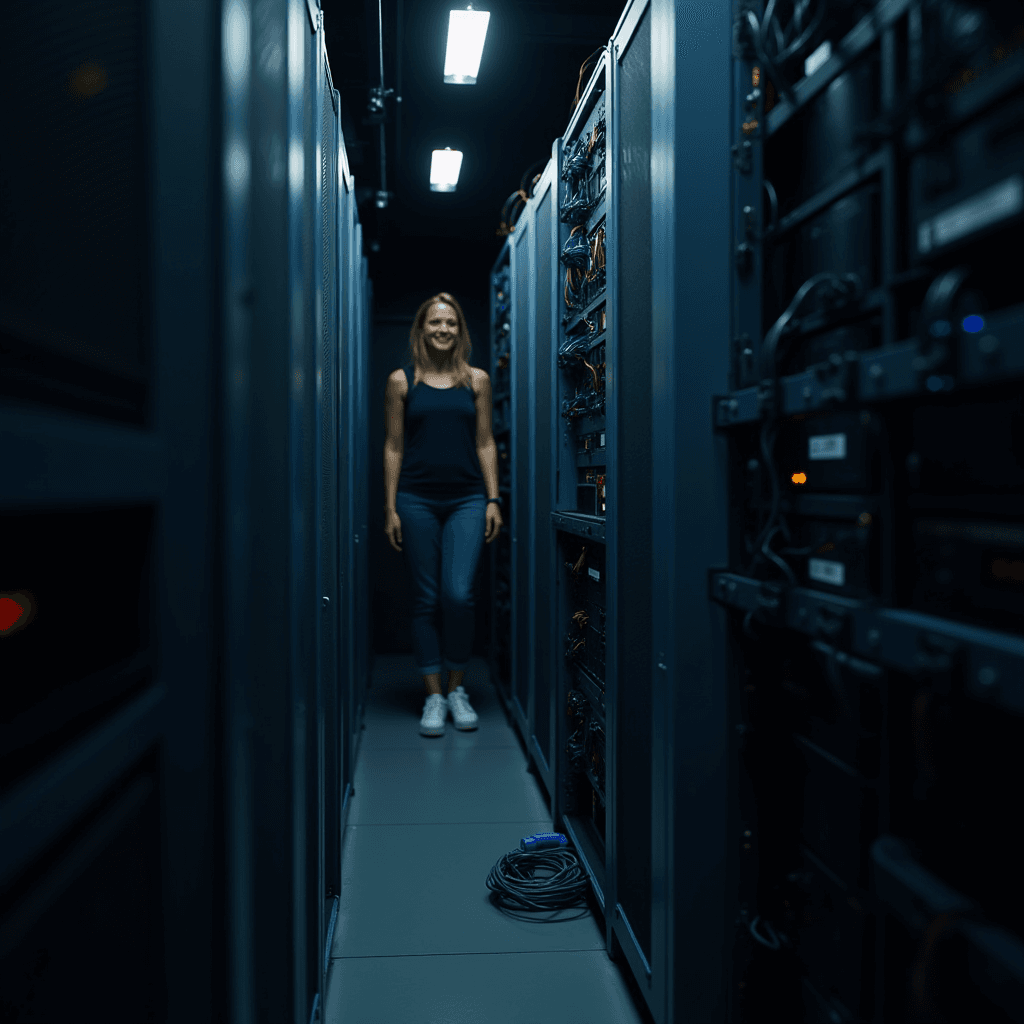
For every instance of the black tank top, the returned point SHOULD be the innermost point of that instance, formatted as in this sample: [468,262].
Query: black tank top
[440,459]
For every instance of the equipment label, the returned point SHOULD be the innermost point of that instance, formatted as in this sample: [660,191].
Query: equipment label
[816,59]
[824,571]
[602,440]
[826,446]
[994,204]
[594,573]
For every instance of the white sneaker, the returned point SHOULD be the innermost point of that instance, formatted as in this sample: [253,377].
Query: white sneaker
[462,714]
[435,712]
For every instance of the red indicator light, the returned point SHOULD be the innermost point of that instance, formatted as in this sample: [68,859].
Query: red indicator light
[10,612]
[16,612]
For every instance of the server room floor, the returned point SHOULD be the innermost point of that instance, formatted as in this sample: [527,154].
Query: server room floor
[417,940]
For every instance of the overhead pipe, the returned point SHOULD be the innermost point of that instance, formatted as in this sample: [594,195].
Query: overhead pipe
[377,97]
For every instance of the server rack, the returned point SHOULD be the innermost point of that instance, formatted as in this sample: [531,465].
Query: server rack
[632,888]
[172,476]
[502,363]
[810,533]
[583,409]
[582,392]
[874,629]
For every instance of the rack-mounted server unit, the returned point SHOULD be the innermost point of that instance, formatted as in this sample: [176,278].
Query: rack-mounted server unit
[875,495]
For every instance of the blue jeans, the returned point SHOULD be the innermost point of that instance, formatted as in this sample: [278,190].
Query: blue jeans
[442,539]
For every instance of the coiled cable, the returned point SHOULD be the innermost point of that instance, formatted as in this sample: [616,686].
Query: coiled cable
[513,881]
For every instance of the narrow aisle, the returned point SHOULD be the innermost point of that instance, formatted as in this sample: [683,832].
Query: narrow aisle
[417,940]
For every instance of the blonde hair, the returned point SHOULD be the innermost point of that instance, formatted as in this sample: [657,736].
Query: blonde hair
[463,346]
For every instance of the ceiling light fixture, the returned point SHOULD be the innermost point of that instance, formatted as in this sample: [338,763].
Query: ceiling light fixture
[466,33]
[445,165]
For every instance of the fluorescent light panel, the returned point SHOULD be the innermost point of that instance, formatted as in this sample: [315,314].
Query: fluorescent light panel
[466,33]
[445,165]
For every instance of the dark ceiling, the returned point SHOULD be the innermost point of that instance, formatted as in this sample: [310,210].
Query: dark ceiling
[504,124]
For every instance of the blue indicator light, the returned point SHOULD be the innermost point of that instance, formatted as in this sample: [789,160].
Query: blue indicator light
[974,323]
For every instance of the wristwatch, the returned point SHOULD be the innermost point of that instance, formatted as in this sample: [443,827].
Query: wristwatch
[497,501]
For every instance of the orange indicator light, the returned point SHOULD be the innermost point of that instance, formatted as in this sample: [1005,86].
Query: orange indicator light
[799,478]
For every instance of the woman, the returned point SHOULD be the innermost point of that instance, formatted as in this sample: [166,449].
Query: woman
[441,487]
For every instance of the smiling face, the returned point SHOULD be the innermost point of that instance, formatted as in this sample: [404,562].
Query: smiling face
[441,328]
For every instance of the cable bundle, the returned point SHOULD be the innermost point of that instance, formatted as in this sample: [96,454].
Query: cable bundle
[513,881]
[586,753]
[576,171]
[575,256]
[576,252]
[578,164]
[589,403]
[570,349]
[578,207]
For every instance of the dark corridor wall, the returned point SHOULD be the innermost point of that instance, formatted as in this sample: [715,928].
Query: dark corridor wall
[388,348]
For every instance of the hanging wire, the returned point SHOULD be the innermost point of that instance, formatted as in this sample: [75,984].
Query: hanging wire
[579,84]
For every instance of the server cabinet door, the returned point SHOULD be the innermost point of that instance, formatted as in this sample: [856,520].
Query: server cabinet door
[347,760]
[629,515]
[522,475]
[692,852]
[327,487]
[363,596]
[359,484]
[545,228]
[305,622]
[348,446]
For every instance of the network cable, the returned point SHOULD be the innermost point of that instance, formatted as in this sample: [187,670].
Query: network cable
[513,881]
[579,84]
[510,212]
